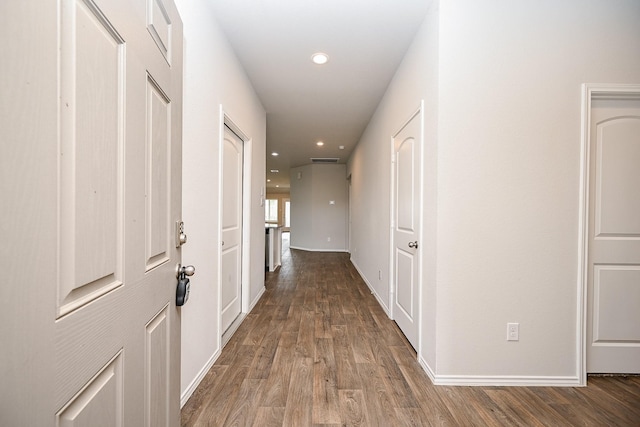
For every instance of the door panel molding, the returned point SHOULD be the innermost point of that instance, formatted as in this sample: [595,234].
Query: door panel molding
[91,74]
[158,179]
[590,92]
[159,26]
[105,389]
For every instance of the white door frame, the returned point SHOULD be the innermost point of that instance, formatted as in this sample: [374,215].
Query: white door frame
[349,196]
[418,112]
[246,219]
[590,91]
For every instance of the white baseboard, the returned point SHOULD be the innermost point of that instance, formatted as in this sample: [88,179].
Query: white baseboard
[505,381]
[498,380]
[425,367]
[256,299]
[373,291]
[232,329]
[186,394]
[318,250]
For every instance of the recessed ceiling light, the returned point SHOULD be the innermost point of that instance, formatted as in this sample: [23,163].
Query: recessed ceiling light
[319,143]
[274,171]
[341,147]
[277,186]
[320,58]
[268,180]
[274,154]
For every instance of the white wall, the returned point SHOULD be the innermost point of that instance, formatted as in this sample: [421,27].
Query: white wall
[370,165]
[501,82]
[213,77]
[508,174]
[301,192]
[316,224]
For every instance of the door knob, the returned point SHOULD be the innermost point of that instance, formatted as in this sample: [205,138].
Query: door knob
[413,244]
[188,270]
[184,270]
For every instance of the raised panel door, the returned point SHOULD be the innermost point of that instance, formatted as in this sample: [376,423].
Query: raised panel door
[613,324]
[231,287]
[406,228]
[103,130]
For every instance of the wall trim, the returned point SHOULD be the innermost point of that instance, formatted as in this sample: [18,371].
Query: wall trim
[256,299]
[371,288]
[506,381]
[198,379]
[300,248]
[425,366]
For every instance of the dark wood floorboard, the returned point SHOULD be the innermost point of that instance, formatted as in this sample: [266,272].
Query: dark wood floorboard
[318,350]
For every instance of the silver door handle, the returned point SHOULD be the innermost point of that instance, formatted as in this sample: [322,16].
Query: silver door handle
[413,244]
[188,270]
[185,270]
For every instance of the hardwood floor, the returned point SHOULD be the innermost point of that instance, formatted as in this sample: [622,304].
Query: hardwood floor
[318,350]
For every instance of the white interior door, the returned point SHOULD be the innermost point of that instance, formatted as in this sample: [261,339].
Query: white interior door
[110,194]
[232,172]
[613,329]
[406,228]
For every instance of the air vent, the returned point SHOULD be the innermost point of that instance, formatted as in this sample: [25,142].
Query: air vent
[325,159]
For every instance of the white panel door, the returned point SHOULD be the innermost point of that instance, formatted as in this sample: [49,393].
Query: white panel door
[111,322]
[231,292]
[613,330]
[406,207]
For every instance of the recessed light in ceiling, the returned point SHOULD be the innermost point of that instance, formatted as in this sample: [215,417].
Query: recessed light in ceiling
[319,143]
[268,180]
[278,186]
[341,147]
[320,58]
[274,171]
[274,154]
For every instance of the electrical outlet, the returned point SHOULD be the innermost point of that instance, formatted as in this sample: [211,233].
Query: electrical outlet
[513,332]
[328,239]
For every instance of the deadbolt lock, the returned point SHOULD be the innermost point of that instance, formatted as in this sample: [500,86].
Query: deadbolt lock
[181,237]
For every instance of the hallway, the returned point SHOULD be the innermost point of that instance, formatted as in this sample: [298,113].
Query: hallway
[319,350]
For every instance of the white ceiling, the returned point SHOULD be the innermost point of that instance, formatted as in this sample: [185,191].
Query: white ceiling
[305,103]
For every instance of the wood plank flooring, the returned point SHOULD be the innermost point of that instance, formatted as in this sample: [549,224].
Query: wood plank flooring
[318,350]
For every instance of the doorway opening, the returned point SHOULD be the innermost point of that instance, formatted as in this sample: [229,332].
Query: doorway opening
[287,215]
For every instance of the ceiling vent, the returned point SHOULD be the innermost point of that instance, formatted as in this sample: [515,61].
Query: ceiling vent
[325,159]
